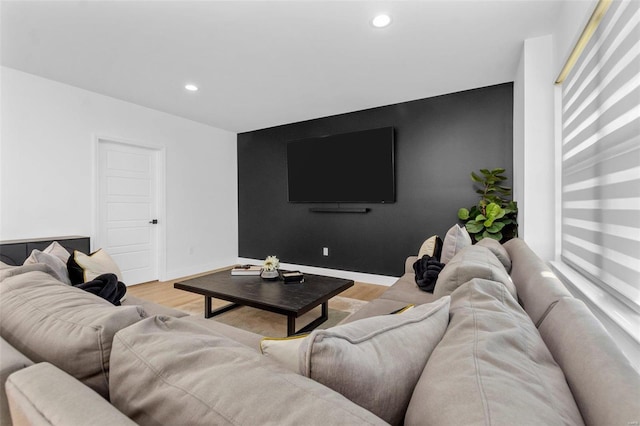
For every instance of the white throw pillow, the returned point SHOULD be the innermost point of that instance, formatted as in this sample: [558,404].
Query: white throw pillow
[96,264]
[284,350]
[431,247]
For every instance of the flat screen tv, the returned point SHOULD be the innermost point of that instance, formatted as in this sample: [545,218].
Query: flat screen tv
[355,167]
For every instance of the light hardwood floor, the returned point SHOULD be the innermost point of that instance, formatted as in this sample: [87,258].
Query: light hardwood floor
[163,293]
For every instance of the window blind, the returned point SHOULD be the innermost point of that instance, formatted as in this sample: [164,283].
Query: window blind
[601,157]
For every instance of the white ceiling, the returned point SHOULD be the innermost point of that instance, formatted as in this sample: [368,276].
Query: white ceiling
[264,63]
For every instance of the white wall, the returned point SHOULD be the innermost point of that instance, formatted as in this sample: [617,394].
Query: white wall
[534,146]
[47,169]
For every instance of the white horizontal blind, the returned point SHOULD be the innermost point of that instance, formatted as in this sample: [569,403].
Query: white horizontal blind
[601,157]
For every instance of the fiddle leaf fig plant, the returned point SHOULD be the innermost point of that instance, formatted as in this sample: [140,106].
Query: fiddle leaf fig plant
[493,216]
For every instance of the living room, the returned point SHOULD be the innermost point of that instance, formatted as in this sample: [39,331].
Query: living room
[222,181]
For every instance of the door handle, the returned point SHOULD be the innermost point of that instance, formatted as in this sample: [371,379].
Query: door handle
[154,221]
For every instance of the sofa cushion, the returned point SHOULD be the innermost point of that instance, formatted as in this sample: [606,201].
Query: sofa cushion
[499,251]
[406,290]
[45,395]
[376,362]
[58,267]
[152,308]
[168,371]
[604,384]
[538,288]
[408,264]
[12,271]
[455,240]
[376,307]
[491,367]
[11,360]
[247,338]
[50,321]
[472,262]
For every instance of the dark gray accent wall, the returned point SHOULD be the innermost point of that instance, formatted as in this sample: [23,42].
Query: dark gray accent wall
[439,141]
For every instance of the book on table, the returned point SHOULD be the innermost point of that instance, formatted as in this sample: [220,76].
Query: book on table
[246,270]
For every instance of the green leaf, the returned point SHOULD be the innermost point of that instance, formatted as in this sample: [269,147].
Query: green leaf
[493,210]
[485,172]
[463,214]
[476,178]
[496,236]
[495,227]
[488,223]
[474,227]
[498,170]
[480,218]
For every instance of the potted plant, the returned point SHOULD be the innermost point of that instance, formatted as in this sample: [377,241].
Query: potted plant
[495,215]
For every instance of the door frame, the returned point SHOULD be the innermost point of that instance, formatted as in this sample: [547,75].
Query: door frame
[96,238]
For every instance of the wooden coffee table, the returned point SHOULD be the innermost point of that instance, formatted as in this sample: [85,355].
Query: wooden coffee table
[292,300]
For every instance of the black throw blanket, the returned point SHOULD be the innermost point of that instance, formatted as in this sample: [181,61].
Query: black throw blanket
[106,286]
[427,270]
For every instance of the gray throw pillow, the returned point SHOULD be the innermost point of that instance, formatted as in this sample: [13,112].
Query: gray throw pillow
[58,266]
[455,240]
[56,249]
[376,362]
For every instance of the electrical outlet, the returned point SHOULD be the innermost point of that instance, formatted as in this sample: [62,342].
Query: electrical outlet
[325,251]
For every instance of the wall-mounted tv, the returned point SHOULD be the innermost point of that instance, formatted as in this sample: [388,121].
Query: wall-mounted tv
[356,167]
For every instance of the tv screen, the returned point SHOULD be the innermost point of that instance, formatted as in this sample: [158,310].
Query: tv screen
[355,167]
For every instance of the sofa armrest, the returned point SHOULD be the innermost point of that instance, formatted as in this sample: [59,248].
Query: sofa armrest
[11,360]
[408,264]
[45,395]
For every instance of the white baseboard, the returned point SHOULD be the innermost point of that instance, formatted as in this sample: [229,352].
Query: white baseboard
[336,273]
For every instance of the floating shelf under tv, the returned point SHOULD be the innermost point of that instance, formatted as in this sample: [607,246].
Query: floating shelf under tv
[339,209]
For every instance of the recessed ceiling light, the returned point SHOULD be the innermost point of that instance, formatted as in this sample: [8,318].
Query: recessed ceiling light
[381,21]
[191,87]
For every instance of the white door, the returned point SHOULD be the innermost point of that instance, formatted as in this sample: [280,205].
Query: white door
[127,207]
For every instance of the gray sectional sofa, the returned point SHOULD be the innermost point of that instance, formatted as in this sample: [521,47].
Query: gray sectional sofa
[500,341]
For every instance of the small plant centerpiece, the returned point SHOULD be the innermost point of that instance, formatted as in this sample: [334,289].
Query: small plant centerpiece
[270,268]
[495,215]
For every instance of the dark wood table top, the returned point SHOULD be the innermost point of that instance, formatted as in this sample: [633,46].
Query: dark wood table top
[274,296]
